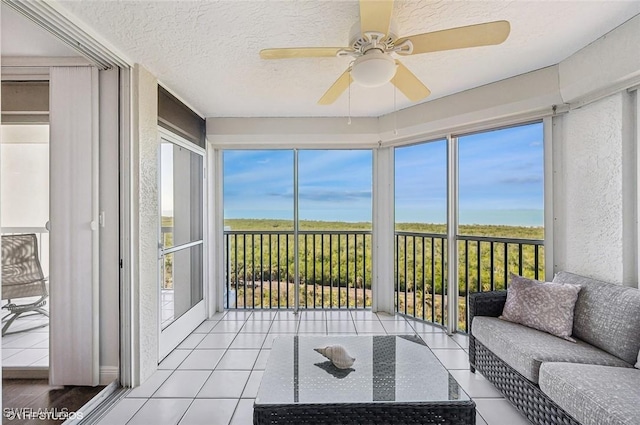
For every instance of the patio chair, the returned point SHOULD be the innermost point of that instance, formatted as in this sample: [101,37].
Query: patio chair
[22,277]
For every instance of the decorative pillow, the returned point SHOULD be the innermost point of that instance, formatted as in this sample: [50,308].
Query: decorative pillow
[547,307]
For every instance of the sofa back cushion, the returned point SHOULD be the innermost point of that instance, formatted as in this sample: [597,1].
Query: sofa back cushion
[606,315]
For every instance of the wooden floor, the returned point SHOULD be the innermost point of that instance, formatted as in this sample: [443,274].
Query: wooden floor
[36,396]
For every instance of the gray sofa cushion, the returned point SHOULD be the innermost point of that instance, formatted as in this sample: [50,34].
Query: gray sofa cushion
[606,315]
[524,349]
[594,395]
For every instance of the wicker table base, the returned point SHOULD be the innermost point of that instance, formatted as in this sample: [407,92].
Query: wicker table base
[360,414]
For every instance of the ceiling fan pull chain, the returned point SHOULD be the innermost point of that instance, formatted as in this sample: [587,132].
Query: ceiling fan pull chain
[349,119]
[395,112]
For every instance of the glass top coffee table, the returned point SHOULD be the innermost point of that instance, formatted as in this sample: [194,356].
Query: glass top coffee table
[394,380]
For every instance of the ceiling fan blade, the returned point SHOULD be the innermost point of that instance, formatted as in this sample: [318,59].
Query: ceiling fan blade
[375,16]
[334,92]
[409,84]
[300,52]
[486,34]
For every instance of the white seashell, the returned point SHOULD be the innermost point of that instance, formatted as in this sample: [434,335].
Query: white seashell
[338,356]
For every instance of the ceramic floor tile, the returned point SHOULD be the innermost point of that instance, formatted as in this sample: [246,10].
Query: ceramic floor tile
[438,340]
[343,316]
[253,384]
[312,315]
[183,384]
[43,362]
[228,326]
[461,339]
[422,327]
[370,326]
[340,327]
[191,341]
[238,360]
[225,384]
[8,352]
[205,327]
[244,412]
[237,315]
[216,341]
[151,385]
[312,326]
[479,420]
[263,316]
[254,326]
[363,315]
[173,360]
[202,360]
[243,341]
[26,357]
[122,411]
[210,412]
[166,411]
[390,317]
[284,326]
[261,362]
[475,384]
[394,327]
[28,340]
[499,412]
[43,344]
[287,315]
[10,338]
[453,359]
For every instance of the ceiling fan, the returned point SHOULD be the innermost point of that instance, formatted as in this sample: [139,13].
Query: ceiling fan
[374,42]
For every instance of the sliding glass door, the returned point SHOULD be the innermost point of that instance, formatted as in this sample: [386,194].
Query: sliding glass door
[181,247]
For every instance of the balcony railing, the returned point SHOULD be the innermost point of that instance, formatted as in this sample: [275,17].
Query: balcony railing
[334,269]
[484,264]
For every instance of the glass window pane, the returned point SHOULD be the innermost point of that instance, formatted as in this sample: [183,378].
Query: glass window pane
[421,187]
[501,182]
[182,277]
[181,195]
[335,189]
[258,190]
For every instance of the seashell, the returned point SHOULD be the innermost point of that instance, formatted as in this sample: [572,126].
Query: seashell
[338,356]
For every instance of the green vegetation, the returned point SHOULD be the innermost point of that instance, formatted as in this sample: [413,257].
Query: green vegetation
[339,264]
[335,264]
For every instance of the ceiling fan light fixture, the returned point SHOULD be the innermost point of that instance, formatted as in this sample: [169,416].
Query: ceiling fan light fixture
[373,69]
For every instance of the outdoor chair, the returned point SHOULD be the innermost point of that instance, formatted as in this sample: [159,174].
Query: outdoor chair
[22,278]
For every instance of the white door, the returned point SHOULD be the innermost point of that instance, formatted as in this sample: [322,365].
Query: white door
[182,246]
[74,241]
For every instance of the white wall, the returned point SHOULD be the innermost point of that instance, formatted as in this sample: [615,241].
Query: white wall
[595,230]
[25,175]
[145,221]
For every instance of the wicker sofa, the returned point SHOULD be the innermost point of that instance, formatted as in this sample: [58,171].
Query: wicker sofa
[554,381]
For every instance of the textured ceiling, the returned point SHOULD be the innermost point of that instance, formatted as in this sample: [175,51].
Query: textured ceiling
[207,51]
[21,37]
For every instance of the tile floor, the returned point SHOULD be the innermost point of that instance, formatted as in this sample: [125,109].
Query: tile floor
[213,376]
[29,348]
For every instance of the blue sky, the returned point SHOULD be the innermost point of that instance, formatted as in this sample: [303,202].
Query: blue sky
[333,185]
[500,181]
